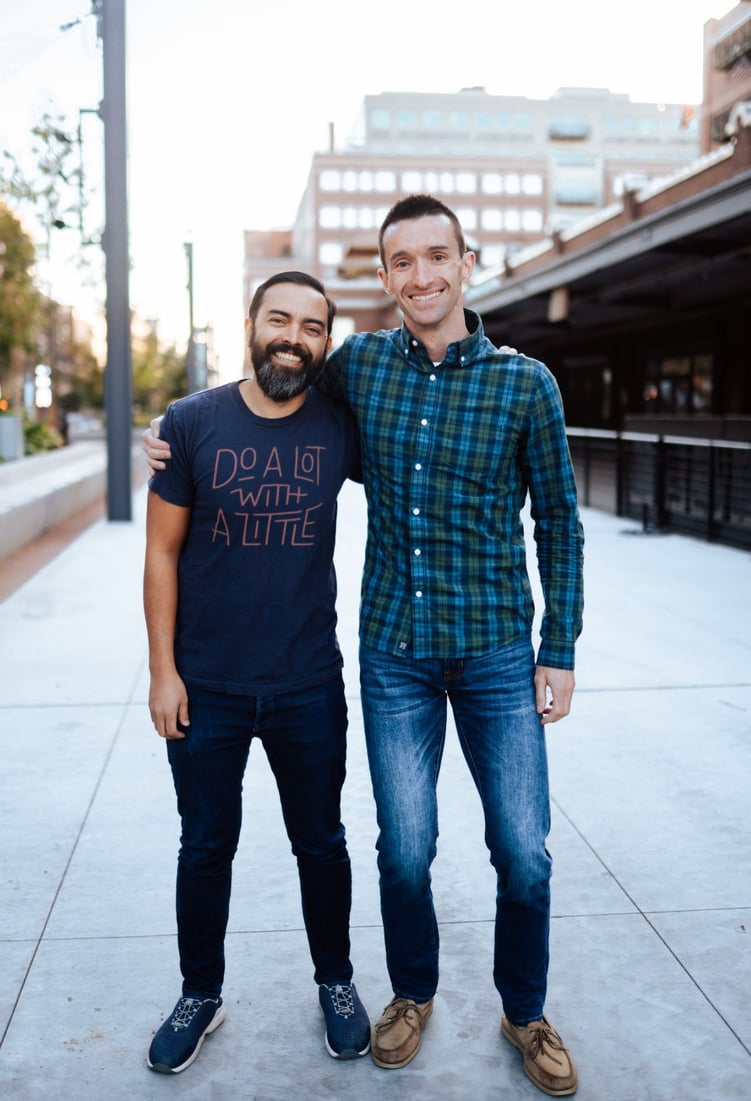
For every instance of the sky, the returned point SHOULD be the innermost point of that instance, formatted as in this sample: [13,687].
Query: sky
[229,99]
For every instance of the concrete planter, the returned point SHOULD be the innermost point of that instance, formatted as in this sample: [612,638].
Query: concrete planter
[11,437]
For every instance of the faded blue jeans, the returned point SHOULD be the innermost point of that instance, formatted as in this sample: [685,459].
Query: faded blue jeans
[304,737]
[493,702]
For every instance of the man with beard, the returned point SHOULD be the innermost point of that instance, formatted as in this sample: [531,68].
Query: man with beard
[239,592]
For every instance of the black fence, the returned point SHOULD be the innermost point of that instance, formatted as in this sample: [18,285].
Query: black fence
[678,483]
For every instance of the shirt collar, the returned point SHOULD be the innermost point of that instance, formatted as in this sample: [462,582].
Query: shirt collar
[458,354]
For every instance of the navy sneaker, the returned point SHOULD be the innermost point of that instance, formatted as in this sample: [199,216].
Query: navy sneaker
[347,1032]
[179,1039]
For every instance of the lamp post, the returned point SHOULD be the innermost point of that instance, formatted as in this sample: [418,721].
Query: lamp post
[118,389]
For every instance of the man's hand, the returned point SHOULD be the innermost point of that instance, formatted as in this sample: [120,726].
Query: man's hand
[168,704]
[508,350]
[553,691]
[157,451]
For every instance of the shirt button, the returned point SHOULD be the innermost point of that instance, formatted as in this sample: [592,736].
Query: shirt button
[415,512]
[461,359]
[432,378]
[418,594]
[414,343]
[423,422]
[418,466]
[418,552]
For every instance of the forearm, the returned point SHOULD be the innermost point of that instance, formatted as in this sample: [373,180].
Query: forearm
[160,588]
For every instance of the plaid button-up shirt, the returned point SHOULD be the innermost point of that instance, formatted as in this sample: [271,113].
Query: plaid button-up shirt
[449,455]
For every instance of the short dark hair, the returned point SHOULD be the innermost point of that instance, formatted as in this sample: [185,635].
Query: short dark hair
[419,206]
[301,279]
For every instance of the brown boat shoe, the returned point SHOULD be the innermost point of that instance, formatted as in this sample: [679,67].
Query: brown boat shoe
[547,1062]
[396,1035]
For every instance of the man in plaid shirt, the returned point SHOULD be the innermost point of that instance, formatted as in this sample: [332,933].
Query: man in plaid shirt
[455,434]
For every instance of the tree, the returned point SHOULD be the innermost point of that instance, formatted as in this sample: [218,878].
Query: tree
[19,299]
[55,191]
[158,376]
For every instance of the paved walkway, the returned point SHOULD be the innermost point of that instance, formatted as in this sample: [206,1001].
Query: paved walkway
[651,949]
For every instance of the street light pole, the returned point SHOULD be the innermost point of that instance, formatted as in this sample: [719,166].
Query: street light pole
[190,359]
[118,383]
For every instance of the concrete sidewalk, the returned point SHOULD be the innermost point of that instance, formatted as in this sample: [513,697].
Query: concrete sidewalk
[651,958]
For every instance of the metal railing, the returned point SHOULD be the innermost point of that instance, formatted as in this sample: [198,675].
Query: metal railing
[700,487]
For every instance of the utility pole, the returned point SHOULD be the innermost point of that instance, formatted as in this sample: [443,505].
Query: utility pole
[118,381]
[190,359]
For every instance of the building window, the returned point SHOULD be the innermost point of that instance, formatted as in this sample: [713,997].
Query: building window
[532,221]
[484,120]
[366,181]
[568,128]
[458,120]
[380,119]
[512,220]
[466,183]
[491,219]
[681,386]
[432,120]
[411,182]
[521,123]
[329,180]
[512,183]
[349,217]
[330,217]
[467,216]
[385,181]
[406,119]
[330,252]
[366,217]
[491,183]
[576,193]
[492,256]
[532,184]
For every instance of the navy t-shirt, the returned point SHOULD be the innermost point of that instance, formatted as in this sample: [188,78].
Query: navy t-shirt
[257,586]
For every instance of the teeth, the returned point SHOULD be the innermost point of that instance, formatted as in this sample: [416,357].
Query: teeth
[426,297]
[288,358]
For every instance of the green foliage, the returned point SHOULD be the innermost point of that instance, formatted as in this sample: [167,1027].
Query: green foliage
[158,378]
[40,436]
[19,299]
[55,192]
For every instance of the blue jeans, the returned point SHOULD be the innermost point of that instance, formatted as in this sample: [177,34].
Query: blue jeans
[304,737]
[492,698]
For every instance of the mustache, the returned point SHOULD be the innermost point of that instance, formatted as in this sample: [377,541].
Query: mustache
[291,349]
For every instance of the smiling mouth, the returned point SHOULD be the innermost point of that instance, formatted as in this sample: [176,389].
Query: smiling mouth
[426,299]
[287,358]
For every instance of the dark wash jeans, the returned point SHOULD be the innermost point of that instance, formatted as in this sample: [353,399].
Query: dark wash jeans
[304,737]
[492,697]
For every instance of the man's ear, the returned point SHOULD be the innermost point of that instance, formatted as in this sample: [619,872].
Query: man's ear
[383,275]
[469,265]
[248,330]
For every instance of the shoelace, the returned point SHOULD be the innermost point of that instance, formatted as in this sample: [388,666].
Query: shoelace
[341,996]
[399,1007]
[543,1034]
[185,1011]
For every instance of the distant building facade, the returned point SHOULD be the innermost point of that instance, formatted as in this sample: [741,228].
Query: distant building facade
[727,76]
[514,169]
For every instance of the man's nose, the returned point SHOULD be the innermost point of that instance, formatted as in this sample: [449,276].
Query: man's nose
[422,273]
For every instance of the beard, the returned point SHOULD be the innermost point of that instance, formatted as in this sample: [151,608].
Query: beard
[281,384]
